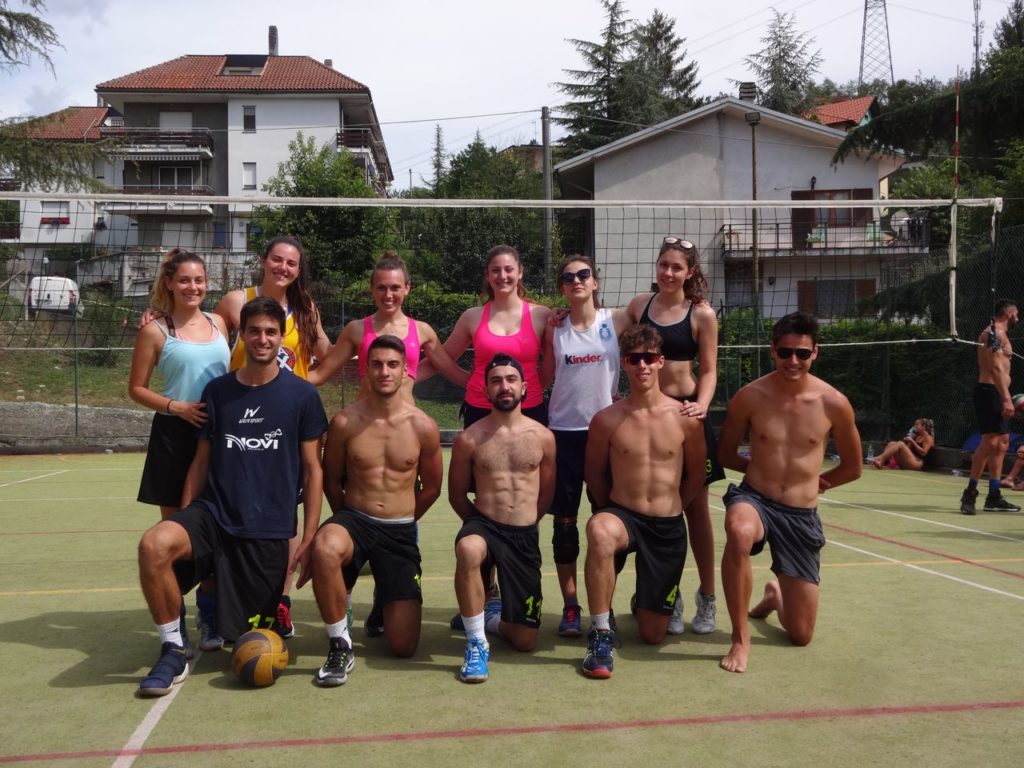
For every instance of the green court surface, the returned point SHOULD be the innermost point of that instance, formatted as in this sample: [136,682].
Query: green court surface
[915,661]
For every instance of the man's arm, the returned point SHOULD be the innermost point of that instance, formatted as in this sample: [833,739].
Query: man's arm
[195,479]
[695,456]
[595,462]
[334,462]
[431,465]
[460,471]
[546,490]
[312,501]
[844,432]
[737,419]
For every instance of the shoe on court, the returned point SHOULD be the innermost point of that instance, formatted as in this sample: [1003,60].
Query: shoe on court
[704,620]
[967,501]
[474,668]
[571,624]
[597,663]
[374,624]
[676,625]
[283,623]
[170,669]
[206,622]
[340,661]
[999,504]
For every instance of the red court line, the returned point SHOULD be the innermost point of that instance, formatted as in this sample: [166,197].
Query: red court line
[933,552]
[563,728]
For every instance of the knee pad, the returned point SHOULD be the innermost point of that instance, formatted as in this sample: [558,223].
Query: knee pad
[565,542]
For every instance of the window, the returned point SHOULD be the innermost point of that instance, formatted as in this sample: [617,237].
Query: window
[248,175]
[220,234]
[249,119]
[174,177]
[55,212]
[833,298]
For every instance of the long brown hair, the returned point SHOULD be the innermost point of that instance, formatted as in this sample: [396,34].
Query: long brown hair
[486,291]
[300,302]
[593,271]
[696,285]
[160,296]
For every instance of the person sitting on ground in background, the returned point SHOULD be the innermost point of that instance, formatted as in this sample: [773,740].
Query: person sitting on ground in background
[1012,480]
[909,452]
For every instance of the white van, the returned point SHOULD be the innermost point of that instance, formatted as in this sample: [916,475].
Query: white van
[53,294]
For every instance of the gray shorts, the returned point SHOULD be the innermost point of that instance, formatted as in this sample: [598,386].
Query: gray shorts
[793,533]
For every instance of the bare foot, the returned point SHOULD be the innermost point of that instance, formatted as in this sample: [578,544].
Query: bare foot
[1006,483]
[736,659]
[769,603]
[876,463]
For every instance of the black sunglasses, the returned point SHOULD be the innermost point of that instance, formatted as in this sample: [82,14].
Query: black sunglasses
[686,245]
[802,353]
[635,358]
[568,278]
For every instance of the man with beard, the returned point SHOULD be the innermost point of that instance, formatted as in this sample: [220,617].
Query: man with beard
[511,458]
[993,406]
[375,450]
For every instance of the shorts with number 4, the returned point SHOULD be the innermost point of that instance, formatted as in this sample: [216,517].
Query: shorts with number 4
[660,547]
[515,550]
[249,572]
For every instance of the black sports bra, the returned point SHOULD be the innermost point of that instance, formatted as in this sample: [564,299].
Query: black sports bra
[677,342]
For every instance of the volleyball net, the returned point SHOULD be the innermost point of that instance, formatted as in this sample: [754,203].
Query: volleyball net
[903,287]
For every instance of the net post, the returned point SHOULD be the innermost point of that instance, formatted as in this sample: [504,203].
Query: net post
[952,268]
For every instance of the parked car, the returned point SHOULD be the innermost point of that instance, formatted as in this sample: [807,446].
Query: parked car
[54,294]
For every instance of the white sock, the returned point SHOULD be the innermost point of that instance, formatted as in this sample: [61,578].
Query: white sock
[339,629]
[600,620]
[475,627]
[171,632]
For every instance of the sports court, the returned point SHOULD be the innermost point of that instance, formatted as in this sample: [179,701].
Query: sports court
[915,661]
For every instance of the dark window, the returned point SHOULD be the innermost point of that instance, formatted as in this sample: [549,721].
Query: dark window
[249,119]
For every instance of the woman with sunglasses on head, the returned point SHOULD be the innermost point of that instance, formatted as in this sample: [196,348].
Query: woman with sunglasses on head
[581,354]
[688,326]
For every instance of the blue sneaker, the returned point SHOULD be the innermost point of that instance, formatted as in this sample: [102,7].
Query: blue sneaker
[474,669]
[598,661]
[206,621]
[571,624]
[170,669]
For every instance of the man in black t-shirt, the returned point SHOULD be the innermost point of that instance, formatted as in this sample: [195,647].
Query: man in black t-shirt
[260,442]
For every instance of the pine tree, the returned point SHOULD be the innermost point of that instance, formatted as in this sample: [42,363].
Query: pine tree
[784,69]
[1009,32]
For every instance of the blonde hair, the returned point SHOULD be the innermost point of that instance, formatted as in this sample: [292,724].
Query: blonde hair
[161,297]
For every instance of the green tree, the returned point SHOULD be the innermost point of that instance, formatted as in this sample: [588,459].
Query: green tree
[342,242]
[935,181]
[437,157]
[1009,32]
[784,69]
[24,35]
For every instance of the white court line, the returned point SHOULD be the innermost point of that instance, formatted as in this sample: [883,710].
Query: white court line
[83,469]
[75,498]
[929,571]
[149,723]
[30,479]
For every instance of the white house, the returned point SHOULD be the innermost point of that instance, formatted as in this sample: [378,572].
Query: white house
[819,260]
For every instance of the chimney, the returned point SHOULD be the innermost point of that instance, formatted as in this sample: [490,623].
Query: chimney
[748,91]
[273,41]
[329,63]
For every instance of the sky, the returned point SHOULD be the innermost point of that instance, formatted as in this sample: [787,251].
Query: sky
[467,65]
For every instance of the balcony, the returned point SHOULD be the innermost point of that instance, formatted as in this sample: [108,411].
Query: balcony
[778,238]
[142,144]
[152,189]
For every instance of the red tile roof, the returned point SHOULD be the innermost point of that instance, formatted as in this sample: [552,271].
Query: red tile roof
[203,73]
[72,123]
[849,111]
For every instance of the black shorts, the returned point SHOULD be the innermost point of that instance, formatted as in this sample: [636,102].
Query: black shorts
[391,550]
[515,549]
[249,572]
[172,446]
[570,451]
[793,533]
[988,407]
[471,414]
[712,469]
[660,547]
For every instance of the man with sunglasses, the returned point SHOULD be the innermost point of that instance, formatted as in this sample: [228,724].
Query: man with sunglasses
[645,461]
[790,415]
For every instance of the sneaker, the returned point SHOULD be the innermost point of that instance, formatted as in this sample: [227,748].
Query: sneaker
[967,501]
[598,661]
[571,624]
[340,661]
[704,620]
[206,622]
[374,624]
[474,668]
[283,623]
[676,626]
[170,669]
[998,504]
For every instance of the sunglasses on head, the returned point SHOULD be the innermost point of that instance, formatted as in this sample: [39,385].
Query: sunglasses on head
[686,245]
[635,358]
[570,277]
[802,353]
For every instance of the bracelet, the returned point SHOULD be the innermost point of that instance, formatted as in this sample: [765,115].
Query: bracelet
[167,410]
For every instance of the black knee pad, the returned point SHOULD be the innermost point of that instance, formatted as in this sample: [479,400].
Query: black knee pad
[565,542]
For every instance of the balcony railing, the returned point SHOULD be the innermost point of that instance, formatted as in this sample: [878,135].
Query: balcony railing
[147,189]
[148,139]
[356,138]
[779,236]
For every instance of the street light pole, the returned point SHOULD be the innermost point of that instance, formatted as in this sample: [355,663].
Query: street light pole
[753,120]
